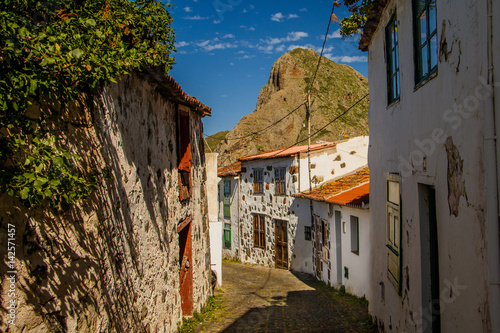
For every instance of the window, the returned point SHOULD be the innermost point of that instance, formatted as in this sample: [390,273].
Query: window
[324,240]
[354,235]
[184,153]
[307,232]
[425,30]
[391,35]
[279,181]
[227,236]
[393,227]
[227,198]
[259,231]
[258,183]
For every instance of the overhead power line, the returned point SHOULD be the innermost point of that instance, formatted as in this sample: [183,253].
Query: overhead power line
[268,127]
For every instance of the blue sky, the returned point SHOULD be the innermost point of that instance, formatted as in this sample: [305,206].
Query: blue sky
[226,48]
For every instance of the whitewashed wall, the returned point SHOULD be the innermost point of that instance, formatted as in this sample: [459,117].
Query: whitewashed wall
[328,164]
[417,126]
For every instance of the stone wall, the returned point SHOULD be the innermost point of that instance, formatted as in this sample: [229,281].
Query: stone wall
[111,263]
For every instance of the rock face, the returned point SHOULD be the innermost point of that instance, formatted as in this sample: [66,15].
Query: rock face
[112,263]
[335,89]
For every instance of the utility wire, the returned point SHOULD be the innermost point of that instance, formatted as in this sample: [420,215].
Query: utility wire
[269,126]
[322,128]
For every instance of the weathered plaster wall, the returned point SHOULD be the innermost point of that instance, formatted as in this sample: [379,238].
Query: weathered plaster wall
[111,264]
[449,108]
[268,204]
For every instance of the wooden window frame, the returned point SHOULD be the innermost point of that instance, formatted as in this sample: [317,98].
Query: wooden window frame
[280,181]
[258,181]
[259,231]
[307,233]
[394,232]
[392,52]
[420,47]
[227,198]
[184,152]
[226,236]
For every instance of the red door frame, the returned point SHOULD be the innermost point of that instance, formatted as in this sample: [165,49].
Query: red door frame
[186,266]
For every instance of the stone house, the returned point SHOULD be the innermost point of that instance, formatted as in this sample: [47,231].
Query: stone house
[335,239]
[229,209]
[135,256]
[268,181]
[434,168]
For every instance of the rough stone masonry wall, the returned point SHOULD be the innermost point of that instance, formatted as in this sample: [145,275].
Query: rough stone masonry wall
[273,207]
[110,264]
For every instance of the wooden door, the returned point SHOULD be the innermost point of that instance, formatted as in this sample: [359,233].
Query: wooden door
[318,251]
[281,234]
[186,267]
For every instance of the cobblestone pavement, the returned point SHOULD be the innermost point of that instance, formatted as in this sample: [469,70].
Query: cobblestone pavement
[262,299]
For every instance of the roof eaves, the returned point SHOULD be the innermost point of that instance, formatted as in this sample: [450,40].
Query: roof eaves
[371,24]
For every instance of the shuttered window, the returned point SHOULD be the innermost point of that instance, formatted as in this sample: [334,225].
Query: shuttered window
[393,227]
[259,231]
[279,181]
[227,198]
[258,181]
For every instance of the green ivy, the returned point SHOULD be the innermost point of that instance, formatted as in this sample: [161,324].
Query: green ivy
[53,51]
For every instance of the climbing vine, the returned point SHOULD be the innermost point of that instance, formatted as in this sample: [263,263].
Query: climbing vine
[55,51]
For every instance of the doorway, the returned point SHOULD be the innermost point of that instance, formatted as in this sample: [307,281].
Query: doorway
[338,245]
[429,256]
[281,235]
[186,266]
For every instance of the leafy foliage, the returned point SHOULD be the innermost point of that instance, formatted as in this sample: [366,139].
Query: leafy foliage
[359,10]
[55,50]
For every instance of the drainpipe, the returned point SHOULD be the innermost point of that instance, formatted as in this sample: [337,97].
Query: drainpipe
[492,219]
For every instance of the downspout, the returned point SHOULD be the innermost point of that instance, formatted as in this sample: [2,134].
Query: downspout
[493,173]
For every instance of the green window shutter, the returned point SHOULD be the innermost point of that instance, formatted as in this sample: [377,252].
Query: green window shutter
[227,198]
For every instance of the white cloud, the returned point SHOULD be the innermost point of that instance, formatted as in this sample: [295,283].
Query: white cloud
[349,59]
[335,34]
[244,11]
[216,21]
[195,18]
[292,16]
[188,9]
[303,10]
[246,56]
[305,46]
[251,29]
[291,37]
[231,64]
[252,7]
[223,96]
[228,36]
[278,17]
[280,48]
[181,44]
[210,45]
[247,28]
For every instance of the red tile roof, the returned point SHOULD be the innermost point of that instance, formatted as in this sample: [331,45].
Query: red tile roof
[355,197]
[229,170]
[350,190]
[286,152]
[167,86]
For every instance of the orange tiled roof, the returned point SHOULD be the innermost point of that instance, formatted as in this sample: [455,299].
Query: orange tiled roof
[167,86]
[286,152]
[338,189]
[229,170]
[355,197]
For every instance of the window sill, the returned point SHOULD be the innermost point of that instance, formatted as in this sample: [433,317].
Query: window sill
[426,79]
[394,102]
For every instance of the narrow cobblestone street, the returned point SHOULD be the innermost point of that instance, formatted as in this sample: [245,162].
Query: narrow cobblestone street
[262,299]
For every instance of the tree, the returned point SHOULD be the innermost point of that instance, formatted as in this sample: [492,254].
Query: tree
[360,10]
[55,50]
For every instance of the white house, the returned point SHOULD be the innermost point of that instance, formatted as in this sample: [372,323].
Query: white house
[229,213]
[434,169]
[268,212]
[338,231]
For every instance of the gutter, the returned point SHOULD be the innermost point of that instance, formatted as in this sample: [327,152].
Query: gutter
[492,148]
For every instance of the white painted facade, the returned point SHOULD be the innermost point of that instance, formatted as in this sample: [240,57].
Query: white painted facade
[213,211]
[439,136]
[231,222]
[326,164]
